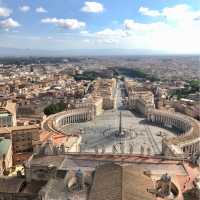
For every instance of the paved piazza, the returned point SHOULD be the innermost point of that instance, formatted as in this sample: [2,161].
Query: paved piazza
[101,133]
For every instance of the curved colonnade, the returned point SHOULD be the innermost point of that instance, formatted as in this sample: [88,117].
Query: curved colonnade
[188,129]
[55,123]
[72,116]
[188,132]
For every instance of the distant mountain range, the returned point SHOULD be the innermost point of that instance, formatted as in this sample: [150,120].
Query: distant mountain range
[4,52]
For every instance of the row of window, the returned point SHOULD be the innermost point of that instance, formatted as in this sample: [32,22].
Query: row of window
[18,139]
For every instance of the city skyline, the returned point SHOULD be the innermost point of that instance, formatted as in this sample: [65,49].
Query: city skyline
[166,26]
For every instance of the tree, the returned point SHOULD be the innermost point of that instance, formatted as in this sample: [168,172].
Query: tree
[54,108]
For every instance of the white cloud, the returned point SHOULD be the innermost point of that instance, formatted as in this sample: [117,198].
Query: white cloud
[164,36]
[41,10]
[109,41]
[107,37]
[92,7]
[177,13]
[177,30]
[130,24]
[8,24]
[5,12]
[148,12]
[71,24]
[24,8]
[117,33]
[108,33]
[180,13]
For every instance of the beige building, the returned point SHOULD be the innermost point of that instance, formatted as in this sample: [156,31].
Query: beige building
[23,139]
[141,102]
[139,99]
[106,89]
[97,102]
[188,107]
[132,86]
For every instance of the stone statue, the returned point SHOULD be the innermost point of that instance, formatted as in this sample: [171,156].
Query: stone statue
[142,150]
[130,148]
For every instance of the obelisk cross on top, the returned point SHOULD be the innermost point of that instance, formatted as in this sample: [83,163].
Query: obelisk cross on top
[120,123]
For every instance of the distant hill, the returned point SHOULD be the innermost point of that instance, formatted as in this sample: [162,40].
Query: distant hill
[4,52]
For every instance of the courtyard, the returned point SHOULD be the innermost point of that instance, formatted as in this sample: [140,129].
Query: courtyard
[100,136]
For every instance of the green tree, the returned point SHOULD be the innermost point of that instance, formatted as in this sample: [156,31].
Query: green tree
[54,108]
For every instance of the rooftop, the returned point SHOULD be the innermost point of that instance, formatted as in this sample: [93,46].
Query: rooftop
[118,177]
[19,128]
[115,182]
[11,184]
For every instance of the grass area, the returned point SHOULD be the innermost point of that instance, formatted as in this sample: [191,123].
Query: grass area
[136,73]
[54,108]
[86,75]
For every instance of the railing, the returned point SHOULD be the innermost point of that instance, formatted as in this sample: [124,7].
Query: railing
[108,157]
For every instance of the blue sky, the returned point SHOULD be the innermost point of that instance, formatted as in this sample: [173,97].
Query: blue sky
[169,25]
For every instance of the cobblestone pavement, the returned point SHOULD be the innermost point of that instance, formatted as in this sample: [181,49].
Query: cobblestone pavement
[100,133]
